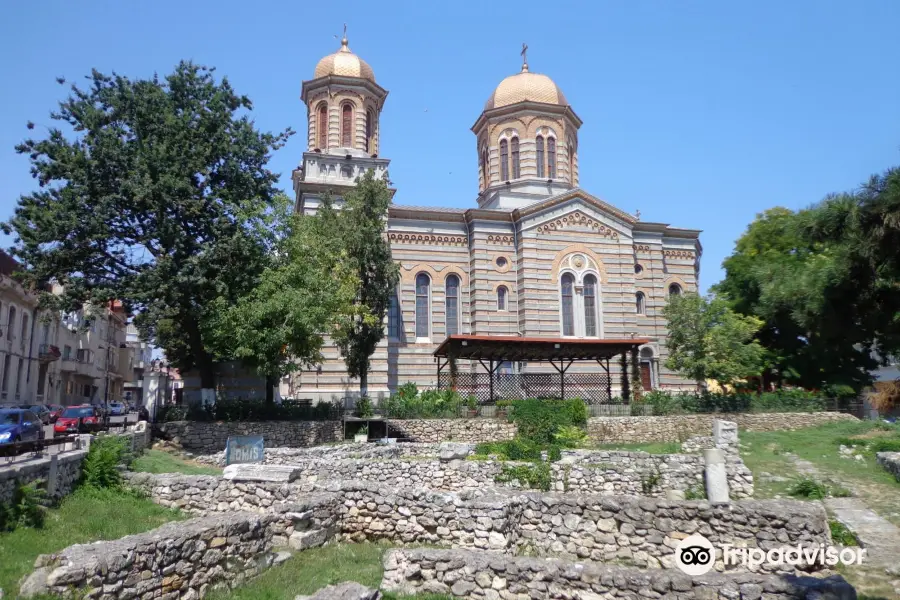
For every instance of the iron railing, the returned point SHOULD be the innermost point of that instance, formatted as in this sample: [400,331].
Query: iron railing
[593,388]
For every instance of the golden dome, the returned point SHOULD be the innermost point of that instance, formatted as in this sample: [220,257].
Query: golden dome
[344,63]
[533,87]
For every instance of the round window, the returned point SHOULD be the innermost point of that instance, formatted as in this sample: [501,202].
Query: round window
[638,269]
[501,262]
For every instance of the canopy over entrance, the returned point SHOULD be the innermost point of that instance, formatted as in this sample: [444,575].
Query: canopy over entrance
[492,351]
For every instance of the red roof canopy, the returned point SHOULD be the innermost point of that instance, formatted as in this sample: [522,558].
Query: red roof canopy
[503,347]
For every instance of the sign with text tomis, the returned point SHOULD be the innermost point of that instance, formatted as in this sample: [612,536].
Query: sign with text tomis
[244,449]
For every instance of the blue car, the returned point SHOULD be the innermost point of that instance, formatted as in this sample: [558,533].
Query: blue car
[117,409]
[19,425]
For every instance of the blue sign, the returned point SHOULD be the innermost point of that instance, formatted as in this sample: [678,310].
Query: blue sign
[244,449]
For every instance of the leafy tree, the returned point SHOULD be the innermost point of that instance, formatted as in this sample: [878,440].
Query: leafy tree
[305,293]
[360,229]
[818,303]
[159,196]
[707,340]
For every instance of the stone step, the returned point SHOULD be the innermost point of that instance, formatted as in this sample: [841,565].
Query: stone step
[265,473]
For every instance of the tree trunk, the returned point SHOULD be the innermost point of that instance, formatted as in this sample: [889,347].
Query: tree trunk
[364,383]
[205,366]
[271,382]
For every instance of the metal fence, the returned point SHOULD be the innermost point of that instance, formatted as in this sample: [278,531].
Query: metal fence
[593,388]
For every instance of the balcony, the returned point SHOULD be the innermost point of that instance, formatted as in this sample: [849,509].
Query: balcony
[68,364]
[48,353]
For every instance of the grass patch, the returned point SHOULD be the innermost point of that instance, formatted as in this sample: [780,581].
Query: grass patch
[309,571]
[767,452]
[650,447]
[157,461]
[840,534]
[87,515]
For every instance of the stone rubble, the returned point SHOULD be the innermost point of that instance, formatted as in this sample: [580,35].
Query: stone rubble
[349,590]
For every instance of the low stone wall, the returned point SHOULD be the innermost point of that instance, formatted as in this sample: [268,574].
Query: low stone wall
[890,461]
[640,530]
[183,559]
[453,430]
[290,456]
[58,473]
[608,472]
[207,437]
[675,428]
[474,574]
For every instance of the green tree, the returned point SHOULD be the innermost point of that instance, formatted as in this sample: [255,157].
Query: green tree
[360,225]
[159,196]
[707,340]
[818,328]
[304,295]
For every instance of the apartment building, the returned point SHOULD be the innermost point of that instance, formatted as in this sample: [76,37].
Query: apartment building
[19,358]
[141,356]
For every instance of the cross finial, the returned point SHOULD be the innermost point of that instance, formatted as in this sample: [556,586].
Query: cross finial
[637,214]
[344,39]
[524,54]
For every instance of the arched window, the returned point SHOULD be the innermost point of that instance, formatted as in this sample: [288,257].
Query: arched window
[568,313]
[347,126]
[551,158]
[11,322]
[504,160]
[452,305]
[322,127]
[640,303]
[423,305]
[572,161]
[484,168]
[540,156]
[590,306]
[370,131]
[24,328]
[674,289]
[395,317]
[501,297]
[515,158]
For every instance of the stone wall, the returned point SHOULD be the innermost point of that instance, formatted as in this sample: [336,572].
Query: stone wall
[207,437]
[475,574]
[607,472]
[182,559]
[58,479]
[676,428]
[639,530]
[290,456]
[452,430]
[890,461]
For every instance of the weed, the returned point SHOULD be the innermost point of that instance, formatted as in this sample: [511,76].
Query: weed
[650,482]
[695,492]
[840,534]
[812,489]
[536,476]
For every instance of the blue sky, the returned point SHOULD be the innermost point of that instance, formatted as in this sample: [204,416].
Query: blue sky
[700,114]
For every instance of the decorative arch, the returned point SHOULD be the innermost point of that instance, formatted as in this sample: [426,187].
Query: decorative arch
[408,277]
[675,279]
[572,249]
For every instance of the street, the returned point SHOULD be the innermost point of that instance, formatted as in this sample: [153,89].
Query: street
[132,418]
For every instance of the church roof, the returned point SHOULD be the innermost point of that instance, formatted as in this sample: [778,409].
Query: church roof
[344,63]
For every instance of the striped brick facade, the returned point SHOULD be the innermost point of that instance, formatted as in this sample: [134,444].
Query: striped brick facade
[538,243]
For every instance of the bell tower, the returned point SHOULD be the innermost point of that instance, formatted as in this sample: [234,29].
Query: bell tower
[343,104]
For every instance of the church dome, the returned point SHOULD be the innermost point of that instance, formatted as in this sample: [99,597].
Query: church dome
[526,86]
[344,63]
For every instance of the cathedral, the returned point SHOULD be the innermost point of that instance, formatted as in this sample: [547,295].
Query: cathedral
[536,256]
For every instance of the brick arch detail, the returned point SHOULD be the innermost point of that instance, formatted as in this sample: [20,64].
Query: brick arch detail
[409,276]
[584,249]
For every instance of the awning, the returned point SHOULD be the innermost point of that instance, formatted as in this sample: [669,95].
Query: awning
[503,348]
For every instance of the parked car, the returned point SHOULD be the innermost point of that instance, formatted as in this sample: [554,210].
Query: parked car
[19,425]
[42,412]
[117,409]
[78,419]
[56,411]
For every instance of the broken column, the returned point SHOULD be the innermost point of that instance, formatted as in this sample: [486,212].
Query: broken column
[715,476]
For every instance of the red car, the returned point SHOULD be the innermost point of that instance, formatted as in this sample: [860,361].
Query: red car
[77,419]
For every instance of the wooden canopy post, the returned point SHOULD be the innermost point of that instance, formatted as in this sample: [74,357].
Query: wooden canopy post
[626,388]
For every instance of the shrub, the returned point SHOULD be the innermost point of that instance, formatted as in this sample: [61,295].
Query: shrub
[812,489]
[409,403]
[28,507]
[695,492]
[554,453]
[538,420]
[364,408]
[514,449]
[884,445]
[569,436]
[536,476]
[228,409]
[101,465]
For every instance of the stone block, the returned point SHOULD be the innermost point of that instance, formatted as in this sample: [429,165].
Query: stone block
[261,473]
